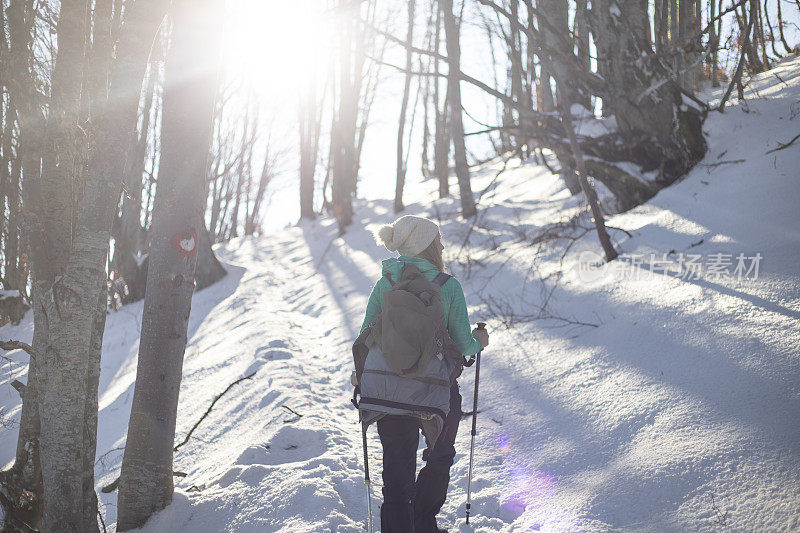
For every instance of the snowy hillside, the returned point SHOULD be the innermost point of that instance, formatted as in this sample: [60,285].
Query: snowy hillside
[643,395]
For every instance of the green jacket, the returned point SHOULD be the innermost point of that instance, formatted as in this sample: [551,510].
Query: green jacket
[453,302]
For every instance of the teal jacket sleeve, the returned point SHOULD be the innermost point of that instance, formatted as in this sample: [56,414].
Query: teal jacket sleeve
[375,301]
[458,320]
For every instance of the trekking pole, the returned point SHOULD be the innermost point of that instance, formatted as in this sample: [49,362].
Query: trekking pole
[367,482]
[481,325]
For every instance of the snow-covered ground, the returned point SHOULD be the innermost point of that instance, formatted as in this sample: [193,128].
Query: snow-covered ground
[645,396]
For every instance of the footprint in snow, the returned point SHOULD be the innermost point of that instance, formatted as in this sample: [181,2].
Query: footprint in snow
[272,354]
[289,445]
[277,343]
[312,310]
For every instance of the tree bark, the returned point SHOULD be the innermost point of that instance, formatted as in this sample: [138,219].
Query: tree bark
[400,176]
[130,240]
[441,140]
[713,39]
[146,483]
[647,104]
[26,473]
[581,31]
[786,46]
[555,27]
[308,149]
[63,365]
[208,270]
[69,243]
[344,154]
[451,29]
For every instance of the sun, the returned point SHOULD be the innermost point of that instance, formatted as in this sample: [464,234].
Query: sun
[275,46]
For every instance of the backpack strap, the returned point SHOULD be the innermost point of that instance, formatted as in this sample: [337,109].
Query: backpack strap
[387,276]
[441,278]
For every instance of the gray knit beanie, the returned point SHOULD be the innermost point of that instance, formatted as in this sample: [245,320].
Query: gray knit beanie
[408,235]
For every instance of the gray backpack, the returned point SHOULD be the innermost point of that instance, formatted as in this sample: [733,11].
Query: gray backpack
[405,360]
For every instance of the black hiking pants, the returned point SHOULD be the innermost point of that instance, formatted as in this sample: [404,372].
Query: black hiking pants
[409,505]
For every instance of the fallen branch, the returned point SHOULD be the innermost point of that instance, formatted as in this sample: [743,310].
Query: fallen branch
[477,201]
[787,145]
[626,232]
[114,484]
[720,517]
[220,395]
[713,165]
[109,452]
[494,179]
[288,420]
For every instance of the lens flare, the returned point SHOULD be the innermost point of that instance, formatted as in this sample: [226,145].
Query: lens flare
[532,492]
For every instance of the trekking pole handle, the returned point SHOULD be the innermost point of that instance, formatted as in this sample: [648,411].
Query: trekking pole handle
[471,361]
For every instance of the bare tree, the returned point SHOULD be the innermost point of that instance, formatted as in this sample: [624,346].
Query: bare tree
[351,58]
[70,210]
[401,168]
[25,476]
[553,30]
[441,138]
[130,236]
[309,132]
[146,478]
[451,27]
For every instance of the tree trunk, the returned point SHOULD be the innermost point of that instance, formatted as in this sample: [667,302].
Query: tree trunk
[425,167]
[130,240]
[749,38]
[588,190]
[713,39]
[63,366]
[451,29]
[786,46]
[344,162]
[146,478]
[26,473]
[650,110]
[400,168]
[69,249]
[308,149]
[441,140]
[581,31]
[553,32]
[674,37]
[761,39]
[10,174]
[208,270]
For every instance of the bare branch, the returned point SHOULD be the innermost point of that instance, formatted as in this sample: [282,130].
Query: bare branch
[18,345]
[220,395]
[782,146]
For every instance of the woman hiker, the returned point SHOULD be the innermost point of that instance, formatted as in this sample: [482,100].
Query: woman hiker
[410,505]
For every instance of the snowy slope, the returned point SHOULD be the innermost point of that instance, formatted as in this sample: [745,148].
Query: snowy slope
[648,401]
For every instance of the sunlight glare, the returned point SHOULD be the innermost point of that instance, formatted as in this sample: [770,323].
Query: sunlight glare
[274,45]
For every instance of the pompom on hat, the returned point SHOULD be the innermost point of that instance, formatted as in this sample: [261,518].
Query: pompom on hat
[408,235]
